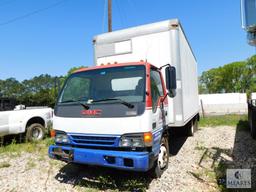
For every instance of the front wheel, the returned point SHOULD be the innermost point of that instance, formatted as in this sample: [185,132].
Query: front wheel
[35,132]
[161,163]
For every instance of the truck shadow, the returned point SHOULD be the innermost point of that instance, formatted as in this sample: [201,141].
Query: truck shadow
[103,178]
[176,141]
[215,161]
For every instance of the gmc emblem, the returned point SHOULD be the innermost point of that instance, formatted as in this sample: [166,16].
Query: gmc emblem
[91,112]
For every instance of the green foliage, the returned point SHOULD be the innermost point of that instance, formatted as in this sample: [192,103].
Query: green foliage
[73,69]
[234,77]
[11,88]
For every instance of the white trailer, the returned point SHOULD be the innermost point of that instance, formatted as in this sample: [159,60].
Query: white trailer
[159,44]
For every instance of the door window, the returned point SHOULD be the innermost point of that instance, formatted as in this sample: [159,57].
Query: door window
[156,87]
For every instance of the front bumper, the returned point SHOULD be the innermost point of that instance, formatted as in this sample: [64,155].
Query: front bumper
[128,160]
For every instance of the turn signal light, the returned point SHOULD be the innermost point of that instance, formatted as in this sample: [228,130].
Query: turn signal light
[148,138]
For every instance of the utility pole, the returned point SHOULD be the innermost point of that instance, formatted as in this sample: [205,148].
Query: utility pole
[109,15]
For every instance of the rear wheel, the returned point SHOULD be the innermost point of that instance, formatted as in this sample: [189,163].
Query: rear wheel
[161,163]
[35,132]
[191,128]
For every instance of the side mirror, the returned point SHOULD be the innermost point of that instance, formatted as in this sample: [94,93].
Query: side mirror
[170,76]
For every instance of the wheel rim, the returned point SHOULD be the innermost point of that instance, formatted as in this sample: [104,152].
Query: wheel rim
[36,133]
[192,127]
[162,157]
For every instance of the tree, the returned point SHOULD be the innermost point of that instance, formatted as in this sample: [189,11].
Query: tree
[11,88]
[233,77]
[39,91]
[73,69]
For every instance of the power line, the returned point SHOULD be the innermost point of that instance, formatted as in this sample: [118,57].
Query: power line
[32,13]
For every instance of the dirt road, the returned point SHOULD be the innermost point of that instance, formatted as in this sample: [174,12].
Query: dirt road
[196,164]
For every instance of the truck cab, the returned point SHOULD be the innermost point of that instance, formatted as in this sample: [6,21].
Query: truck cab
[113,115]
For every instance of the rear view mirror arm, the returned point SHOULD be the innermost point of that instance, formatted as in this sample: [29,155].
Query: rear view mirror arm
[160,68]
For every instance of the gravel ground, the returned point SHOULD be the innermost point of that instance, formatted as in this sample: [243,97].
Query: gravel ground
[196,164]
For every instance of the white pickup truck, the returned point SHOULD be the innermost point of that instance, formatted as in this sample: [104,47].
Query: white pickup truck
[31,122]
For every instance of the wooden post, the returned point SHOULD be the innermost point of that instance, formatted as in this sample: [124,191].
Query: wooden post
[109,15]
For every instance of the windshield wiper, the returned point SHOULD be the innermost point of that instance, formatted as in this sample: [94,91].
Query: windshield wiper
[129,105]
[76,101]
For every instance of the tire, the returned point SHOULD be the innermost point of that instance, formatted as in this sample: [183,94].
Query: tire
[35,132]
[161,164]
[191,128]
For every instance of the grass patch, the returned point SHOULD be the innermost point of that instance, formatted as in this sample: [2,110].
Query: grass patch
[228,120]
[15,149]
[4,165]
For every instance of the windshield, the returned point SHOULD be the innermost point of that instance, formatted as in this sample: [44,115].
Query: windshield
[125,83]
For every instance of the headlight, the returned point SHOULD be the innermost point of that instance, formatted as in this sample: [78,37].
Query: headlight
[136,140]
[61,138]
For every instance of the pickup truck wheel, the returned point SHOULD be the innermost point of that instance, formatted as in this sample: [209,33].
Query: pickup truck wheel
[161,163]
[35,132]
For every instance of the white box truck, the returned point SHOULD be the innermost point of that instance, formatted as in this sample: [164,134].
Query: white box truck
[119,113]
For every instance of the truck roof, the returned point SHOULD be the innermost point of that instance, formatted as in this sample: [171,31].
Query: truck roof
[108,65]
[125,34]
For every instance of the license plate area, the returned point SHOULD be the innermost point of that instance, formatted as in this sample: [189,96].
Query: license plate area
[66,154]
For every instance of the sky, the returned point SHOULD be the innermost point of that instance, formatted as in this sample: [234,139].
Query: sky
[52,36]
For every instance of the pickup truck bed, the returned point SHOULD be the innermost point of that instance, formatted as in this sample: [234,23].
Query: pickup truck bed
[252,117]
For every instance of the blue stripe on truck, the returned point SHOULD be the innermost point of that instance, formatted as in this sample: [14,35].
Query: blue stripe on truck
[157,135]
